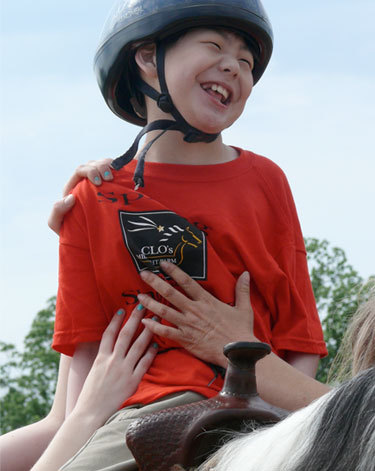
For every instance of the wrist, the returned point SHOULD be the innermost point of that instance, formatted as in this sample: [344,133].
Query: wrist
[90,419]
[222,361]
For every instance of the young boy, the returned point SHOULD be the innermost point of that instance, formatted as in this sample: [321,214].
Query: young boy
[202,216]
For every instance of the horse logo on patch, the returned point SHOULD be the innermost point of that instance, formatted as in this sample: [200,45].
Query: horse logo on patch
[156,236]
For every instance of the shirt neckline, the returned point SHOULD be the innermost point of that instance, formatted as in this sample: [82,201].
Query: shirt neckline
[196,173]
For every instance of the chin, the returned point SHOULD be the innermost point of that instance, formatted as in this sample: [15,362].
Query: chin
[211,125]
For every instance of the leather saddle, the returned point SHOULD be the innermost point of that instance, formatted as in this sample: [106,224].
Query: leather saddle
[183,437]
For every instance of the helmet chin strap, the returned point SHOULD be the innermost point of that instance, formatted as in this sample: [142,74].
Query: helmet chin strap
[165,103]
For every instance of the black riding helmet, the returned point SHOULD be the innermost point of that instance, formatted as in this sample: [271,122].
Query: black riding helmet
[138,21]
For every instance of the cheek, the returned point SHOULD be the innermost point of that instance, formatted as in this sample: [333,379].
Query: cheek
[180,85]
[247,86]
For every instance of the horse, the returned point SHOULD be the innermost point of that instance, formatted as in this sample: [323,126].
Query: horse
[334,433]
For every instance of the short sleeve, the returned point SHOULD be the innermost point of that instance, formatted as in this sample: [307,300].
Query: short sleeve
[296,323]
[298,326]
[80,316]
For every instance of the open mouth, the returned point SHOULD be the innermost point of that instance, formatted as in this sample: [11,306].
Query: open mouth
[221,93]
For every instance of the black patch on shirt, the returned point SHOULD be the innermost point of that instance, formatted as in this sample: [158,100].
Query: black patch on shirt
[155,236]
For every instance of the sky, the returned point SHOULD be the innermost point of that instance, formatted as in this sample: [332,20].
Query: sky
[312,113]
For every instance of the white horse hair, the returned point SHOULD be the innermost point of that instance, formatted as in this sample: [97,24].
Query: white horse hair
[334,433]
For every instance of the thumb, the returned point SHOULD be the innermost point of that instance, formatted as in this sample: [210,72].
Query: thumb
[67,203]
[243,291]
[243,302]
[59,210]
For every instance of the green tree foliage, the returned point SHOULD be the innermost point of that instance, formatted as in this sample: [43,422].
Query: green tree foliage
[28,379]
[338,290]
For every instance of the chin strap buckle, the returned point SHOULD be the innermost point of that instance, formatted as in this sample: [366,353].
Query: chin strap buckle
[192,136]
[164,102]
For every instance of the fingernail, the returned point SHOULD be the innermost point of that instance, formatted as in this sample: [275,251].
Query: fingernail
[97,180]
[155,345]
[246,276]
[140,307]
[155,318]
[107,174]
[120,312]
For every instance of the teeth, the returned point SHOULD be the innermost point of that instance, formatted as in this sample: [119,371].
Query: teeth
[222,90]
[219,89]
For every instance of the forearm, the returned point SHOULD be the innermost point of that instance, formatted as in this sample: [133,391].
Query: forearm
[72,435]
[305,362]
[80,366]
[21,448]
[62,447]
[284,386]
[115,375]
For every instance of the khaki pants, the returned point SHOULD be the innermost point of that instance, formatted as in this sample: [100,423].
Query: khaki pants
[106,450]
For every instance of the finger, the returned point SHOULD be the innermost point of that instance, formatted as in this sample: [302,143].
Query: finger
[71,183]
[145,362]
[243,291]
[137,349]
[127,332]
[190,286]
[162,330]
[92,173]
[110,333]
[60,208]
[89,171]
[161,310]
[105,169]
[165,289]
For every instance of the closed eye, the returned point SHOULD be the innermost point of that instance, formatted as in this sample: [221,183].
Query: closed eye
[249,63]
[214,44]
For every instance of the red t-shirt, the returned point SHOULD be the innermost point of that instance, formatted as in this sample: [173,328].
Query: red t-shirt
[214,221]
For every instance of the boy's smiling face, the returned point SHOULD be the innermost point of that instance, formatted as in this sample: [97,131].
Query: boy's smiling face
[209,77]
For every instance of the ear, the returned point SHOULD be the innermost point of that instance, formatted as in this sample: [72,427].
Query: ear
[145,58]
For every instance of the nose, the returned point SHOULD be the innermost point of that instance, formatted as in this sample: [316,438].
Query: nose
[229,64]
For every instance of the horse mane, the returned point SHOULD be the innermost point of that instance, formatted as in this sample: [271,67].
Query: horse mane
[345,436]
[335,432]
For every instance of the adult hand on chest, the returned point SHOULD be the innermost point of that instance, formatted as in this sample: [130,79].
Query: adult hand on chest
[202,323]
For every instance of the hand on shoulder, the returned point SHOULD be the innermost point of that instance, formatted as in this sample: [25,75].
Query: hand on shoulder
[96,171]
